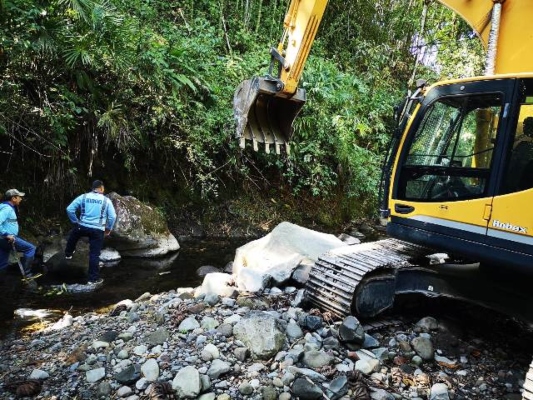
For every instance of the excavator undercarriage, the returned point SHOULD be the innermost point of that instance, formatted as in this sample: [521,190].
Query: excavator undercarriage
[364,279]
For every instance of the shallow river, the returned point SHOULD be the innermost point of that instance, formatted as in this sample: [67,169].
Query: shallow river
[128,280]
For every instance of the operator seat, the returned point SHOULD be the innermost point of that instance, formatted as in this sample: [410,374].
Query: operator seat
[520,172]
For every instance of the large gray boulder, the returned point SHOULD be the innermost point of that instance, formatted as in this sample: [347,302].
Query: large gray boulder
[274,257]
[140,230]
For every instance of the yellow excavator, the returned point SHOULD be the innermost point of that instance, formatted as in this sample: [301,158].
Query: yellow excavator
[457,179]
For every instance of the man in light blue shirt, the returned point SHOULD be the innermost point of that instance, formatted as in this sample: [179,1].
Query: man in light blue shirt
[93,216]
[9,230]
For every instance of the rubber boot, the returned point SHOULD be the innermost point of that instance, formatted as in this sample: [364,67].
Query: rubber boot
[28,281]
[26,265]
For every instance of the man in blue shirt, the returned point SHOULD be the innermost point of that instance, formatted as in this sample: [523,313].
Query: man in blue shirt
[96,219]
[9,230]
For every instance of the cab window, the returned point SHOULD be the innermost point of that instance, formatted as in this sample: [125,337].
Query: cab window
[519,172]
[450,154]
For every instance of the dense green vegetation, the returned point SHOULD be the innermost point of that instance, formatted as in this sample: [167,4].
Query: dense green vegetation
[139,93]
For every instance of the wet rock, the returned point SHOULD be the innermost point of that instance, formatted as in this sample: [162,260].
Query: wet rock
[211,299]
[104,389]
[140,230]
[331,343]
[108,336]
[110,257]
[338,387]
[369,342]
[313,322]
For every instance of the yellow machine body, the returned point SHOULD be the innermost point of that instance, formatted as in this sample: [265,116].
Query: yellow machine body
[515,36]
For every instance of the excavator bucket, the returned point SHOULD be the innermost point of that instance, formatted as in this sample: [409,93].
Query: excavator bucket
[262,116]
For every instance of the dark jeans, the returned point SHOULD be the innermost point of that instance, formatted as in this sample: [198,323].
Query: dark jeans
[96,241]
[26,248]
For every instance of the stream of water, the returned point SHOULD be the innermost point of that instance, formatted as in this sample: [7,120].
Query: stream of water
[128,280]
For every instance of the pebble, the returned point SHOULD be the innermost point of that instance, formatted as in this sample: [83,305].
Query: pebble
[190,343]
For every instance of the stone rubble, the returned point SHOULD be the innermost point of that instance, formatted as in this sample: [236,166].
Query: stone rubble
[261,346]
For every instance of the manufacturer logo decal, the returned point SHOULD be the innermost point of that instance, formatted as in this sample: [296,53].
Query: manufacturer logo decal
[509,227]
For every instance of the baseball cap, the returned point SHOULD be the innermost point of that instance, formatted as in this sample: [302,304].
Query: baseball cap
[13,192]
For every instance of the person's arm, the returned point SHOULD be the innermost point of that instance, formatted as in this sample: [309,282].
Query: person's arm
[111,217]
[4,215]
[72,209]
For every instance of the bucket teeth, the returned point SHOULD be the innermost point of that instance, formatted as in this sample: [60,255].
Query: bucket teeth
[263,116]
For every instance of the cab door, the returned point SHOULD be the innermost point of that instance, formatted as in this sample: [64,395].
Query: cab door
[445,174]
[511,223]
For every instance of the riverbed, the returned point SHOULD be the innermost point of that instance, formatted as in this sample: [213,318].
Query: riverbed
[127,280]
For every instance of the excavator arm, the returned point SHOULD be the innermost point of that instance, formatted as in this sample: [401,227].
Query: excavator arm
[300,27]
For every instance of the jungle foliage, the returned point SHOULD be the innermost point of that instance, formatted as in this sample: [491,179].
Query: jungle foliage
[139,92]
